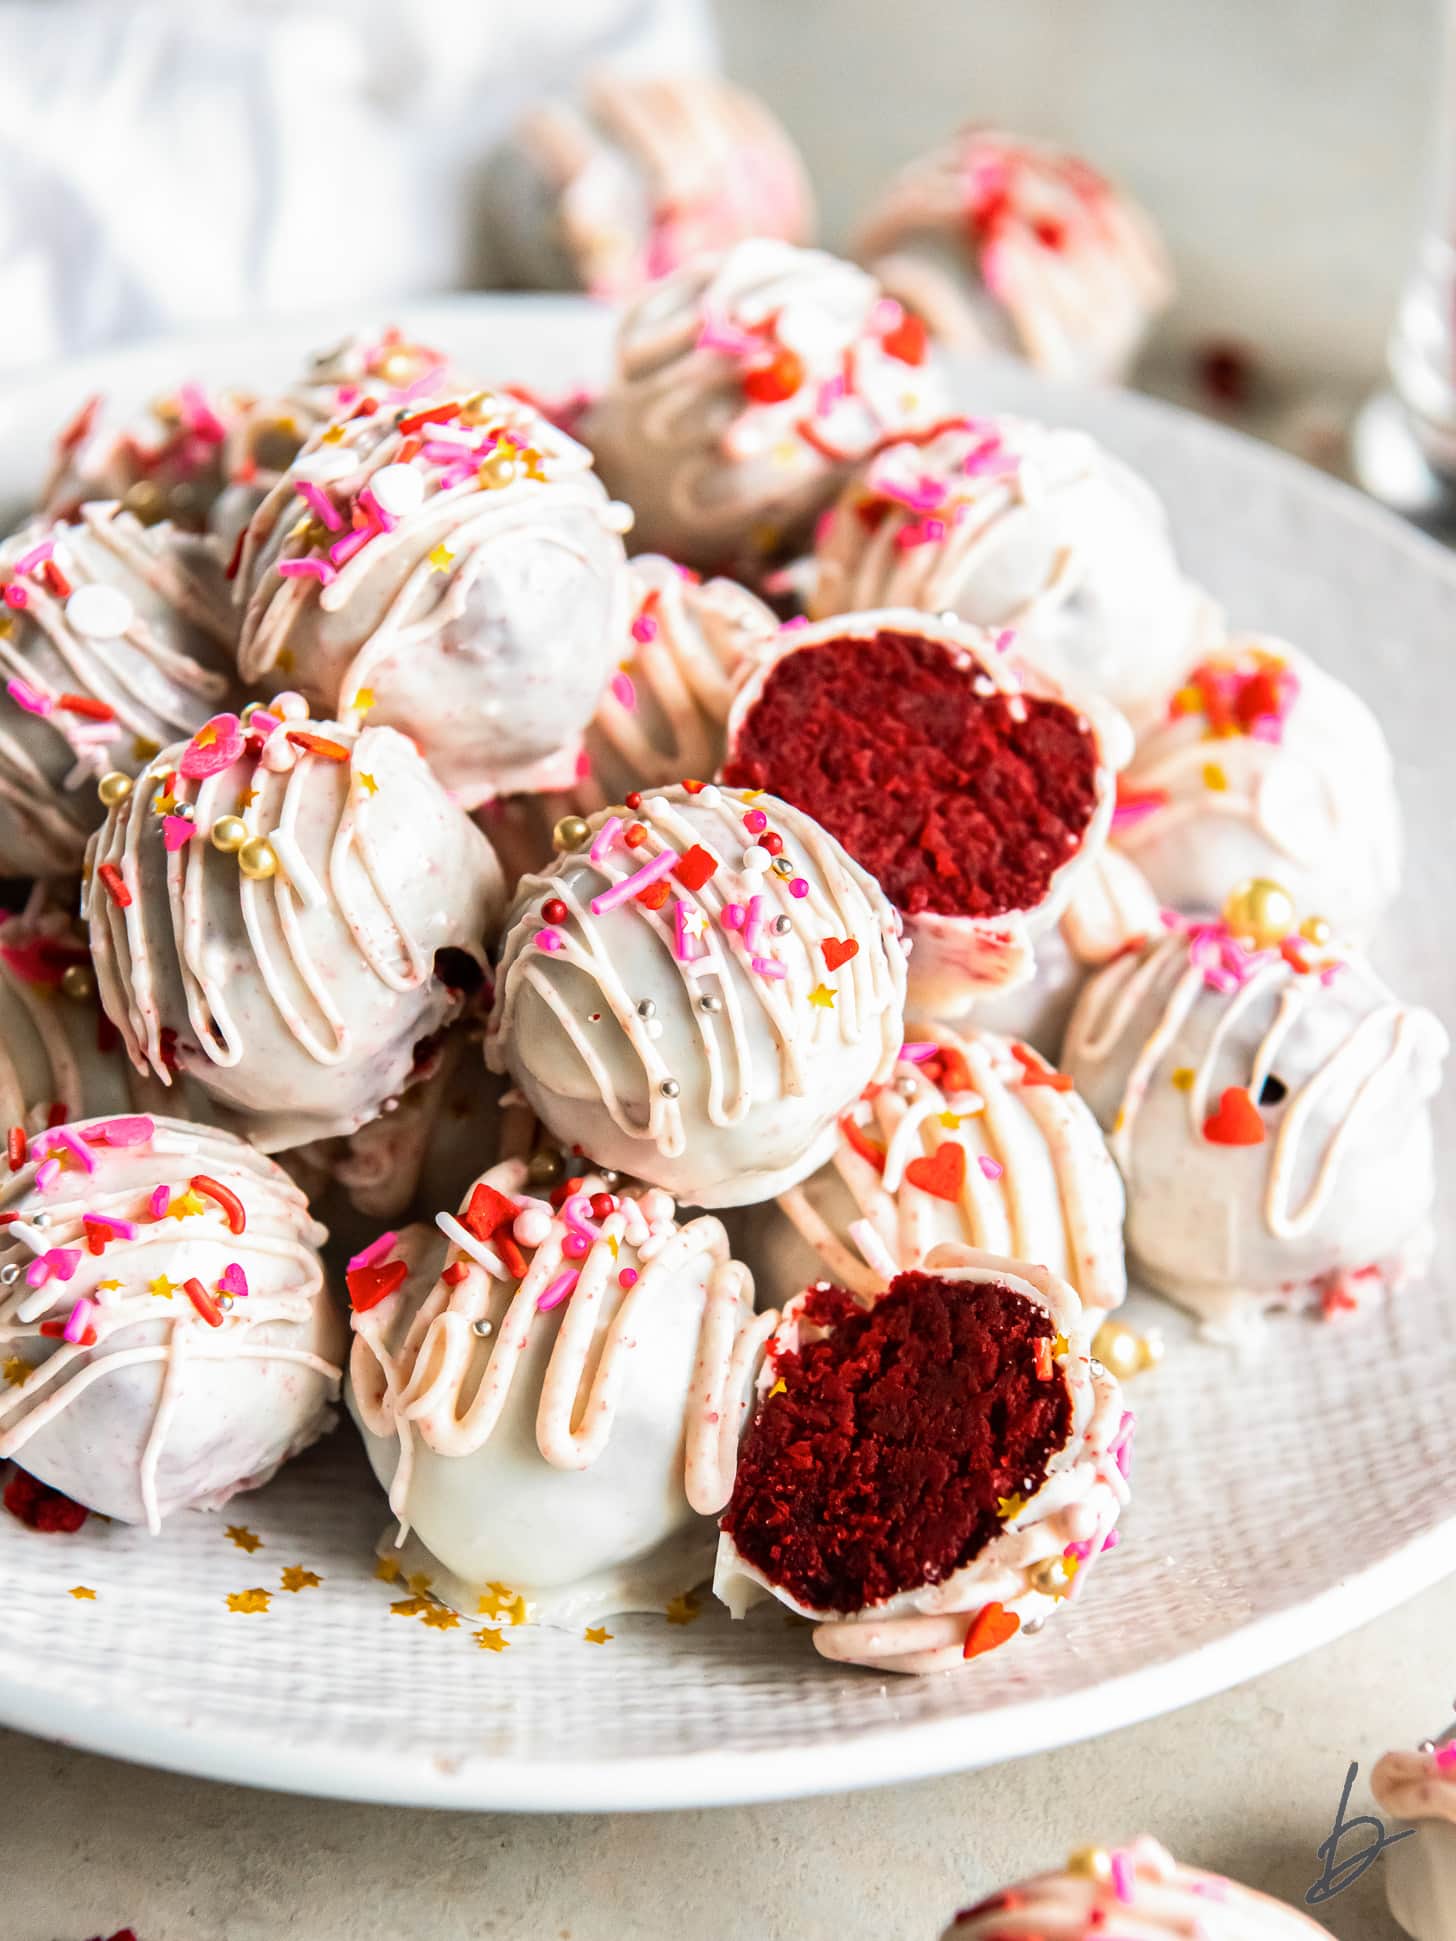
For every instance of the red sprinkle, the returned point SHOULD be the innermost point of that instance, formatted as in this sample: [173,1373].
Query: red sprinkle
[488,1211]
[83,704]
[776,379]
[232,1206]
[332,751]
[368,1286]
[16,1146]
[454,1273]
[654,896]
[633,799]
[1044,1364]
[636,835]
[1236,1122]
[206,1306]
[862,1143]
[554,910]
[118,892]
[693,868]
[907,340]
[992,1625]
[1034,1072]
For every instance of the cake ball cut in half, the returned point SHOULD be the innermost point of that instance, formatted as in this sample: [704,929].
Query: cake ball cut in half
[455,568]
[1013,524]
[930,1474]
[115,639]
[167,1337]
[697,989]
[977,1140]
[282,910]
[1136,1893]
[1263,765]
[745,387]
[644,174]
[1420,1873]
[1267,1100]
[975,791]
[552,1392]
[167,463]
[1002,243]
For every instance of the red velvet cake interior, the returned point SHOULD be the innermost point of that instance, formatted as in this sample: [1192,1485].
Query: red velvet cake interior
[881,1464]
[959,802]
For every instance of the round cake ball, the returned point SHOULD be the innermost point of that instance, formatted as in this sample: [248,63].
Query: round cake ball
[1139,1891]
[167,464]
[1420,1873]
[975,791]
[1000,243]
[552,1393]
[745,387]
[1264,765]
[458,568]
[1010,524]
[975,1140]
[1112,910]
[696,990]
[114,640]
[647,173]
[282,910]
[932,1473]
[1266,1098]
[167,1336]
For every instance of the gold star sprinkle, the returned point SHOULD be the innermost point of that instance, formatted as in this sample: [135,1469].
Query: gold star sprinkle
[419,1583]
[247,798]
[296,1578]
[368,781]
[1214,778]
[780,1387]
[436,1618]
[598,1634]
[1008,1507]
[822,996]
[363,701]
[143,748]
[749,795]
[1059,1345]
[164,804]
[82,1593]
[495,1600]
[489,1640]
[386,1569]
[109,1286]
[15,1369]
[684,1610]
[162,1288]
[441,558]
[333,436]
[411,1607]
[1183,1078]
[256,1599]
[243,1537]
[185,1205]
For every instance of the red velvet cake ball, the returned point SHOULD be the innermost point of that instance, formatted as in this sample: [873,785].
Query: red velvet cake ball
[974,791]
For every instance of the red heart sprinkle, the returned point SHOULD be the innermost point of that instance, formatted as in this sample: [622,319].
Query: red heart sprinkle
[943,1173]
[1236,1122]
[992,1625]
[839,950]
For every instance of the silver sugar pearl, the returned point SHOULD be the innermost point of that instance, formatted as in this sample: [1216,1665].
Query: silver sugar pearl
[480,1329]
[225,1302]
[669,1088]
[9,1274]
[610,1178]
[40,1219]
[783,866]
[906,1087]
[646,1007]
[710,1001]
[782,926]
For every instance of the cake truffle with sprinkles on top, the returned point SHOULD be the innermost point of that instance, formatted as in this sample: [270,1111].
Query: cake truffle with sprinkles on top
[696,989]
[930,1473]
[167,1334]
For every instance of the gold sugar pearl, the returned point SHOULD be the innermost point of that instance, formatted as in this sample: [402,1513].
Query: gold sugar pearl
[78,983]
[257,858]
[499,468]
[1316,931]
[1261,910]
[544,1168]
[1050,1577]
[114,787]
[570,833]
[1090,1863]
[229,833]
[1124,1352]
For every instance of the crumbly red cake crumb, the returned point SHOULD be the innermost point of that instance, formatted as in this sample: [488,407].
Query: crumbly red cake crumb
[880,1465]
[39,1507]
[954,803]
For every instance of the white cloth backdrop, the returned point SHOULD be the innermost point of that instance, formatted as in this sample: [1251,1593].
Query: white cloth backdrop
[175,162]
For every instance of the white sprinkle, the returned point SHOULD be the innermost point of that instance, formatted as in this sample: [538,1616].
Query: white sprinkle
[99,612]
[399,489]
[617,517]
[468,1244]
[756,860]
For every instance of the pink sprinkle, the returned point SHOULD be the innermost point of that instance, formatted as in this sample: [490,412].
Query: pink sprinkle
[129,1130]
[1446,1757]
[768,967]
[623,692]
[1111,1540]
[376,1250]
[797,886]
[302,569]
[28,697]
[1005,640]
[681,939]
[177,832]
[752,922]
[16,596]
[123,1229]
[159,1202]
[627,1277]
[575,1246]
[576,1213]
[38,1273]
[917,1051]
[1122,1447]
[549,939]
[623,892]
[560,1289]
[605,837]
[37,556]
[320,504]
[1122,1876]
[199,416]
[792,626]
[1127,814]
[63,1261]
[79,1319]
[76,1147]
[732,918]
[200,758]
[644,628]
[386,521]
[755,822]
[232,1280]
[46,1174]
[992,1168]
[343,550]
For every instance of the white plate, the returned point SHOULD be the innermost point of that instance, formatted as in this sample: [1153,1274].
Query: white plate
[1278,1502]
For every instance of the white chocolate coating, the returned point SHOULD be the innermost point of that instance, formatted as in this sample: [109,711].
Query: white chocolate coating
[1071,1516]
[1155,1898]
[162,1408]
[999,242]
[1038,1183]
[1334,1199]
[956,961]
[716,473]
[130,620]
[1420,1872]
[294,1000]
[481,615]
[573,1453]
[698,1046]
[648,173]
[1013,524]
[1304,796]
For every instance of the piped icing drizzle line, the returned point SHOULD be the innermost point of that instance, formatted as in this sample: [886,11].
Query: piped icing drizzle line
[83,1261]
[741,928]
[595,1267]
[975,1139]
[1206,958]
[231,803]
